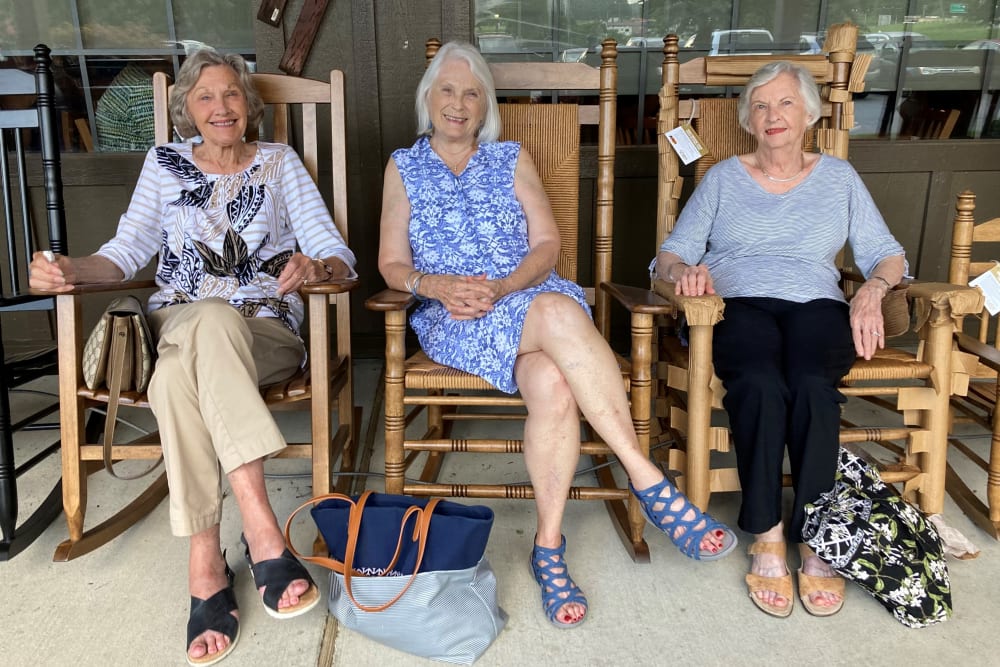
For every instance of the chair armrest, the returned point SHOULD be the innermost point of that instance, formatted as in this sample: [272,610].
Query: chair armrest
[390,299]
[95,288]
[988,355]
[331,286]
[638,300]
[705,310]
[938,303]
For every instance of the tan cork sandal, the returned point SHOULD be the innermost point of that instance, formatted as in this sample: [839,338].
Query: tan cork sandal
[781,585]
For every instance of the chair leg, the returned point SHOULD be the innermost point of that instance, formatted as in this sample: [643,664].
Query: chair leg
[34,525]
[395,411]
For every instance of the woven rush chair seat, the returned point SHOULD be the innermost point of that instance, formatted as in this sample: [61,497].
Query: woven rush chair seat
[916,388]
[414,385]
[294,103]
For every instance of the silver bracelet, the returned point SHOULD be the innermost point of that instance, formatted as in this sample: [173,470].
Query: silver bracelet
[416,285]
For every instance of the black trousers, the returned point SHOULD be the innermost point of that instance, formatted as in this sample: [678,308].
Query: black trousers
[780,363]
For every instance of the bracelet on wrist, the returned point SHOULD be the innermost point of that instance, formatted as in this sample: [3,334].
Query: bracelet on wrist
[885,282]
[416,286]
[408,282]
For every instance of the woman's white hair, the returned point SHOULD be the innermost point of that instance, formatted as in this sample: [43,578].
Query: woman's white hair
[490,130]
[767,73]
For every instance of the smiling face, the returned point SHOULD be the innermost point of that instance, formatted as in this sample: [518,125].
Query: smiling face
[218,106]
[778,115]
[456,102]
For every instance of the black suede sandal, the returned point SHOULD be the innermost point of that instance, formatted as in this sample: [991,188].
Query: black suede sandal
[214,614]
[274,575]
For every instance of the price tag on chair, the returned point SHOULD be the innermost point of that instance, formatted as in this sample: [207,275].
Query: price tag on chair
[686,143]
[989,284]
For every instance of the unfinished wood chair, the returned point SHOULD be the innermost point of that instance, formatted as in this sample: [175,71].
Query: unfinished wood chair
[974,249]
[27,357]
[922,122]
[551,134]
[687,389]
[326,381]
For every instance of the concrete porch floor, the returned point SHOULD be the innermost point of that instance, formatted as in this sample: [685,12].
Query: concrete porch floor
[127,602]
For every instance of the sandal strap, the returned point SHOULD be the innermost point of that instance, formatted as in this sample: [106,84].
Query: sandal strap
[213,614]
[781,585]
[552,599]
[776,548]
[275,575]
[809,584]
[689,541]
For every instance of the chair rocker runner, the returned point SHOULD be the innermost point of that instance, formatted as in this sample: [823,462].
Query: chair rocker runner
[687,389]
[326,380]
[551,134]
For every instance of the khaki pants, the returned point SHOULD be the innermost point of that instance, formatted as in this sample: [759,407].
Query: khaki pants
[204,393]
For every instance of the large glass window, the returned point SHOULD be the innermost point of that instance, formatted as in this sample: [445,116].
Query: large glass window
[105,52]
[926,54]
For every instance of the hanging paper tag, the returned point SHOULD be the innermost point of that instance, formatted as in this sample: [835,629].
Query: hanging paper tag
[686,143]
[989,284]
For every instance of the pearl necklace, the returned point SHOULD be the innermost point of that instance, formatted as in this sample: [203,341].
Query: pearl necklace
[782,180]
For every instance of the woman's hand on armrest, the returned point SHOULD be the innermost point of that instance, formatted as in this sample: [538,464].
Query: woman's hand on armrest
[58,273]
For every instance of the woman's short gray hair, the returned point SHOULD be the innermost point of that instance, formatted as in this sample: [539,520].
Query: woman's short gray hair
[188,76]
[767,73]
[490,130]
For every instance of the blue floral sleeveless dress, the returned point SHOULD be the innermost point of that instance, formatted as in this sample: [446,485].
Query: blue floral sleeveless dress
[471,224]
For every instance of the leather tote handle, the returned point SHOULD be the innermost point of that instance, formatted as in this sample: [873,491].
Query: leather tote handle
[346,568]
[121,328]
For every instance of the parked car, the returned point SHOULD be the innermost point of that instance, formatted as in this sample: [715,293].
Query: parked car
[742,41]
[496,43]
[984,44]
[930,65]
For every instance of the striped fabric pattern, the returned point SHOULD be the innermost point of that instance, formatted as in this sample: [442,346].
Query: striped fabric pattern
[758,244]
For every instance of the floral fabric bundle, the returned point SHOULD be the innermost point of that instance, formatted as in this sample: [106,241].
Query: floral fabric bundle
[873,537]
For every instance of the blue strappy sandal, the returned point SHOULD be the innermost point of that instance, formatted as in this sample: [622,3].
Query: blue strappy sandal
[689,542]
[554,567]
[213,613]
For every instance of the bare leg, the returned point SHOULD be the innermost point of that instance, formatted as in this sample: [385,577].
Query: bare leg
[551,452]
[770,565]
[206,577]
[557,326]
[260,525]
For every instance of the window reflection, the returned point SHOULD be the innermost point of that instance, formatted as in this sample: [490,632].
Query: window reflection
[945,56]
[105,53]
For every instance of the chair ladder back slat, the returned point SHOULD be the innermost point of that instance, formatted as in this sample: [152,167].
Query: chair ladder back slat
[338,153]
[310,145]
[8,204]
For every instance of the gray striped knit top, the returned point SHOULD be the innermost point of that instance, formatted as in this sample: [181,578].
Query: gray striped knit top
[758,244]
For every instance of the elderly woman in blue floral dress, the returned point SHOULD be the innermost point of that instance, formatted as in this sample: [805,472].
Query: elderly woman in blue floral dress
[467,227]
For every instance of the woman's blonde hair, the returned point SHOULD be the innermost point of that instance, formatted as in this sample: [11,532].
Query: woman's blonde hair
[490,130]
[188,76]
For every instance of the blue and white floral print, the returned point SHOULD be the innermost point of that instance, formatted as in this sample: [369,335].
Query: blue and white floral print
[471,224]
